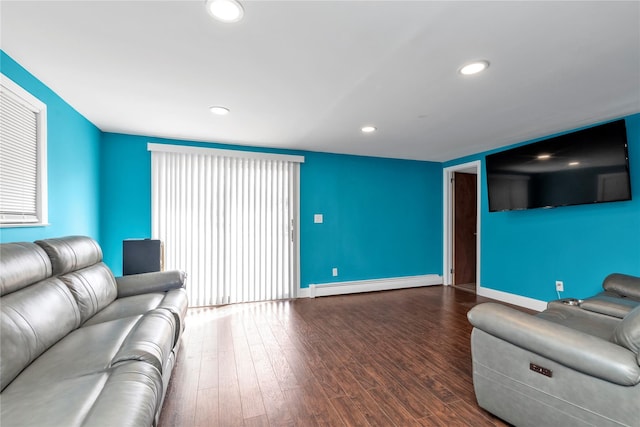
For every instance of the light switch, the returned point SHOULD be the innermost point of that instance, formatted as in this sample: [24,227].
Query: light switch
[317,218]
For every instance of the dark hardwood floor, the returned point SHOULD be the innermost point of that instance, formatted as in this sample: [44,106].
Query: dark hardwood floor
[397,358]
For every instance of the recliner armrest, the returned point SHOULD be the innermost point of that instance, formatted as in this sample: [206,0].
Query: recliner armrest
[577,350]
[159,281]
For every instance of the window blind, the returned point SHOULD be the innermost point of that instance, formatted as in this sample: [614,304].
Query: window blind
[19,160]
[228,220]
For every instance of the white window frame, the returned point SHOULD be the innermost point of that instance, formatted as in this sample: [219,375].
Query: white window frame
[16,92]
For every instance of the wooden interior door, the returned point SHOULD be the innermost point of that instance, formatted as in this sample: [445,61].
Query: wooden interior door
[464,238]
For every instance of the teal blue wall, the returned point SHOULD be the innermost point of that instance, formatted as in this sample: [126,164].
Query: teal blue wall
[525,252]
[73,164]
[383,217]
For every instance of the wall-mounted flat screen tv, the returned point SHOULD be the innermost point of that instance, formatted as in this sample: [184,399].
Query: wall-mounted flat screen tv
[587,166]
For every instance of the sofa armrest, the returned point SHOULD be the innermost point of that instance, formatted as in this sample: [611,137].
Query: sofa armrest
[579,351]
[158,281]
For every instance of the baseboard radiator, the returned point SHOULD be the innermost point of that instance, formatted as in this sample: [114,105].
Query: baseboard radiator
[357,286]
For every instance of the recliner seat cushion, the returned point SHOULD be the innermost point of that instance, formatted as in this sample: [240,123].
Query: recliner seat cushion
[126,307]
[592,323]
[125,395]
[84,351]
[175,301]
[95,348]
[131,397]
[71,253]
[610,303]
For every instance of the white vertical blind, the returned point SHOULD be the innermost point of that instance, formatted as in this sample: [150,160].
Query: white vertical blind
[228,222]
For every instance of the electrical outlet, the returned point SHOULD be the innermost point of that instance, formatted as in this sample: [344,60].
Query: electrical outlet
[334,271]
[559,286]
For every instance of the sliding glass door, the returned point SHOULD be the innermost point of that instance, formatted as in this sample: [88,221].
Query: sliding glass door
[229,219]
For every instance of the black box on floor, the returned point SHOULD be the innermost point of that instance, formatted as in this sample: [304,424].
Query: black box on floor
[142,256]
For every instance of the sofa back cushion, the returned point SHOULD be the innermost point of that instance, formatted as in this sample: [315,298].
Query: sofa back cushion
[627,333]
[92,287]
[71,253]
[32,319]
[623,285]
[22,264]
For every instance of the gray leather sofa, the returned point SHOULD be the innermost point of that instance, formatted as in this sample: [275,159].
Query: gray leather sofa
[78,346]
[574,364]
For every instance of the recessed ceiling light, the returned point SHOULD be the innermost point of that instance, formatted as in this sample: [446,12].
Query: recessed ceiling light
[368,129]
[544,156]
[220,111]
[225,10]
[474,67]
[574,163]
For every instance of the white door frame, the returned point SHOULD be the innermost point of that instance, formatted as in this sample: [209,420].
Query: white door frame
[447,217]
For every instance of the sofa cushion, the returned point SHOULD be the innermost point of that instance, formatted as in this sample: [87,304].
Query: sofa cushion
[610,303]
[82,352]
[627,333]
[22,264]
[131,397]
[94,288]
[126,307]
[60,403]
[623,285]
[124,395]
[31,321]
[591,323]
[175,301]
[95,348]
[71,253]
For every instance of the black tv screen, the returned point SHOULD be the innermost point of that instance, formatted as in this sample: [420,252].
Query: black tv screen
[587,166]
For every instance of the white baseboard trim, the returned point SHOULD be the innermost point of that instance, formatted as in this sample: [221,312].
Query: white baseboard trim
[302,293]
[533,304]
[357,286]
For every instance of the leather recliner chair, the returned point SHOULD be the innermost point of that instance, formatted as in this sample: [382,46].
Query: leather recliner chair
[571,365]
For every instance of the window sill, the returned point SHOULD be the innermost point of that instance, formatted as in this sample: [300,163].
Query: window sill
[25,225]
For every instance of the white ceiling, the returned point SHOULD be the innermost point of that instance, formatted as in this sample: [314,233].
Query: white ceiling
[308,74]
